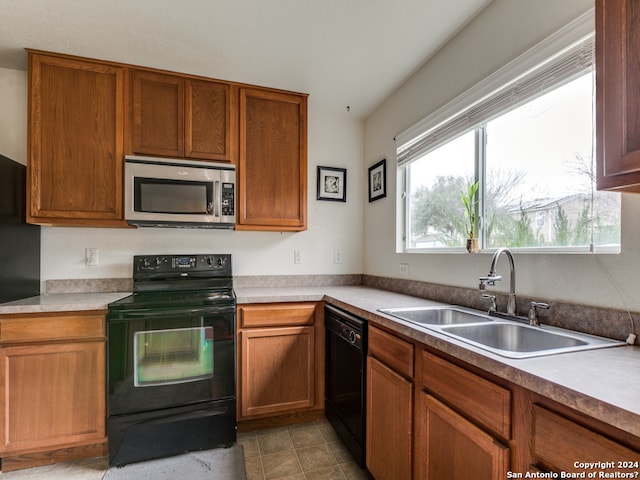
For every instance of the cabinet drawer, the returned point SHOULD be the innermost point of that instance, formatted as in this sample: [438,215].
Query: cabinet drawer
[559,442]
[276,315]
[27,328]
[395,352]
[479,399]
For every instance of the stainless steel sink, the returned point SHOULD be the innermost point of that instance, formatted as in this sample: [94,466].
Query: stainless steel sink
[521,341]
[507,338]
[438,315]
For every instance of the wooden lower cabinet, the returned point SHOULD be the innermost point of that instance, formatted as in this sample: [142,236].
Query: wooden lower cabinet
[278,367]
[389,422]
[557,443]
[52,395]
[431,417]
[488,404]
[280,360]
[456,449]
[52,388]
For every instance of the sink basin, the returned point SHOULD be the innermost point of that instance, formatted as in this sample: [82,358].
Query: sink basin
[522,341]
[514,338]
[437,315]
[499,335]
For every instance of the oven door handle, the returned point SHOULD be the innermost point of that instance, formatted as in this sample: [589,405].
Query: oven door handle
[150,313]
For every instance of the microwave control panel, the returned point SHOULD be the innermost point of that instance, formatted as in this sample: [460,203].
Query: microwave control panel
[228,199]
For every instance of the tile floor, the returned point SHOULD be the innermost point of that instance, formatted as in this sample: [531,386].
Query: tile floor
[307,451]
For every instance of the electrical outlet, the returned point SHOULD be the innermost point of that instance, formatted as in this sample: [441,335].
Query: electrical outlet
[337,256]
[404,269]
[297,256]
[91,257]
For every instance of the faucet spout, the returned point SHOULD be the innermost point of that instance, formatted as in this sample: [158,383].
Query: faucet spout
[493,276]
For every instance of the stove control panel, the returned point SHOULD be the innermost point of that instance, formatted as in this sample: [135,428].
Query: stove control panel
[156,264]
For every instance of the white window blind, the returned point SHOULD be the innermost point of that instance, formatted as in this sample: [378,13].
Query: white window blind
[532,74]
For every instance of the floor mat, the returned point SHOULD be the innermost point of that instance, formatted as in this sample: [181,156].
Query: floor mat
[218,464]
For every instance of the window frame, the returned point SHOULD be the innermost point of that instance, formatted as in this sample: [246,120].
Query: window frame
[447,122]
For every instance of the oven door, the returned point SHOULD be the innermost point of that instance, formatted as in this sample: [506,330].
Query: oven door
[166,357]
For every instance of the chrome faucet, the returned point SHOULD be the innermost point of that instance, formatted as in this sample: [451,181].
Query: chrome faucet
[493,277]
[534,321]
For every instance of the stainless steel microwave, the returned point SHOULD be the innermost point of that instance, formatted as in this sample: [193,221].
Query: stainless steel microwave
[165,192]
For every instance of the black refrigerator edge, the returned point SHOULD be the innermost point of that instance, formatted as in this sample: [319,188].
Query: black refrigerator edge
[19,241]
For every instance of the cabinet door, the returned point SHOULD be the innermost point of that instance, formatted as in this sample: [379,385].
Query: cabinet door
[618,94]
[456,449]
[157,114]
[75,141]
[272,168]
[557,442]
[389,422]
[52,395]
[209,129]
[277,370]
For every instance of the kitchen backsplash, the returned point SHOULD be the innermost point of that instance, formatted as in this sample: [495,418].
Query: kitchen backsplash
[88,285]
[94,285]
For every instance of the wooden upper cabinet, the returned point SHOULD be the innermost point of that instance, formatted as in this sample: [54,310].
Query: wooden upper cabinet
[210,121]
[618,94]
[177,116]
[272,167]
[157,123]
[75,141]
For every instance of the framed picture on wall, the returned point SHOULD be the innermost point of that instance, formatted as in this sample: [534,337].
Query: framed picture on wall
[332,184]
[378,180]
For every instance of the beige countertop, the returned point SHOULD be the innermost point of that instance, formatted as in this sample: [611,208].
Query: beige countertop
[604,383]
[62,302]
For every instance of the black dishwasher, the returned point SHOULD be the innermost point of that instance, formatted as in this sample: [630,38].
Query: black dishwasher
[346,356]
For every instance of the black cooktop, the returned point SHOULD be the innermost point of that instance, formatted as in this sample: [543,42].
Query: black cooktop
[164,281]
[197,298]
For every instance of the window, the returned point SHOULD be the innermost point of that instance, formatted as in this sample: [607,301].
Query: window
[529,145]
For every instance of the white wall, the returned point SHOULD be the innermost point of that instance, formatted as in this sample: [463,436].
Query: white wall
[504,30]
[332,141]
[13,114]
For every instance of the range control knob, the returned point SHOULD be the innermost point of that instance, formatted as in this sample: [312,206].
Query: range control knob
[216,261]
[148,262]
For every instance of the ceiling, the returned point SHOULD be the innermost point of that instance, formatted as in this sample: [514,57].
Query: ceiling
[342,52]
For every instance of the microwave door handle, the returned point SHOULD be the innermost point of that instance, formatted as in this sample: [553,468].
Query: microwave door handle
[217,200]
